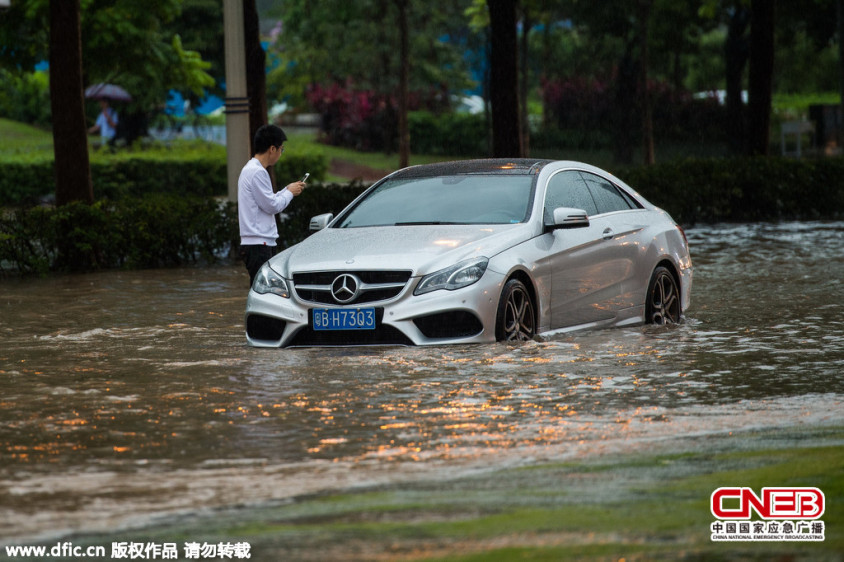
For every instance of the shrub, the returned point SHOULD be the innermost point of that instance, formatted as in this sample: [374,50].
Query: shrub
[744,189]
[448,134]
[570,139]
[315,200]
[580,114]
[153,230]
[26,179]
[578,103]
[198,169]
[25,97]
[150,231]
[157,229]
[365,119]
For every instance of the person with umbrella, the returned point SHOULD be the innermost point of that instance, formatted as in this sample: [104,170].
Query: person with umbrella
[106,123]
[107,120]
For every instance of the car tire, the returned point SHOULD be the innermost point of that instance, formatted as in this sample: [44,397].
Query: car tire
[516,317]
[663,300]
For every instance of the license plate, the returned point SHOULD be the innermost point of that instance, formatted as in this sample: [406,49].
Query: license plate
[344,318]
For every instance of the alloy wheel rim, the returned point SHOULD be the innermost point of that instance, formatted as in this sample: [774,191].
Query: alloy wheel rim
[665,301]
[518,316]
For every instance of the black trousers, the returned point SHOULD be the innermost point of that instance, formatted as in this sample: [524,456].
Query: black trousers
[254,256]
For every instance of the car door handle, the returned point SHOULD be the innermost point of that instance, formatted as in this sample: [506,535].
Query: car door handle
[608,234]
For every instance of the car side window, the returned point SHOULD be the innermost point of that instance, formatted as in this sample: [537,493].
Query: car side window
[567,189]
[606,195]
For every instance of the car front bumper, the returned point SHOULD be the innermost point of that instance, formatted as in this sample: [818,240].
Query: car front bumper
[465,315]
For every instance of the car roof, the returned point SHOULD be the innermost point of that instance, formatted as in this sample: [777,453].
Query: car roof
[503,166]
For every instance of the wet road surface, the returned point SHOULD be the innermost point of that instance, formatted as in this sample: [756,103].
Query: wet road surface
[129,395]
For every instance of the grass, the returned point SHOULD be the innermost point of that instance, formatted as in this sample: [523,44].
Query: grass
[639,506]
[376,160]
[650,507]
[17,137]
[798,104]
[307,141]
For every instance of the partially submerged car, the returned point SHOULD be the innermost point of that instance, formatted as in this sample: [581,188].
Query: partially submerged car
[475,251]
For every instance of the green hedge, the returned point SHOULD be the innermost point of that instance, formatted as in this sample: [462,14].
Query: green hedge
[315,200]
[448,134]
[570,139]
[155,230]
[744,189]
[24,180]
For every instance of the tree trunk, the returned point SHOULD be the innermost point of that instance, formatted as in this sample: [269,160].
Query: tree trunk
[735,58]
[761,76]
[840,121]
[256,61]
[504,80]
[644,94]
[625,125]
[546,56]
[404,79]
[523,80]
[70,142]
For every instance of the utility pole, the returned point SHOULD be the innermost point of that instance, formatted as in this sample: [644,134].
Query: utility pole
[237,100]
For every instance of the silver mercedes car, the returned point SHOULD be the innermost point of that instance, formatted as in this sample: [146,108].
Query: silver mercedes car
[475,251]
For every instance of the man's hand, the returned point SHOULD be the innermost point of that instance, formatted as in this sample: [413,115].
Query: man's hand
[296,187]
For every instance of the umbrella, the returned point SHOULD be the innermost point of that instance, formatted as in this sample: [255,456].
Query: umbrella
[107,91]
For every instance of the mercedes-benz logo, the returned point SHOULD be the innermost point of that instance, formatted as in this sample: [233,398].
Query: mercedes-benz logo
[345,288]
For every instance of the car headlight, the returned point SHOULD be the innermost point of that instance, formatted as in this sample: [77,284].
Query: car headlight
[269,280]
[457,276]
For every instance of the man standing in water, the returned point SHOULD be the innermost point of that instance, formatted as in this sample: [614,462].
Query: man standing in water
[257,205]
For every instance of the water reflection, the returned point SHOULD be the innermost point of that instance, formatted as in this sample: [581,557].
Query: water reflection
[132,393]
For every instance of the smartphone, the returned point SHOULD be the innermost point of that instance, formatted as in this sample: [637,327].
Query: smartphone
[305,177]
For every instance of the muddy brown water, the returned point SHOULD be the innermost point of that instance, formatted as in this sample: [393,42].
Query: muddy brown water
[125,396]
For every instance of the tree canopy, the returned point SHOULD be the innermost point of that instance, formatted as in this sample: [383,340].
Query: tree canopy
[623,46]
[127,42]
[337,41]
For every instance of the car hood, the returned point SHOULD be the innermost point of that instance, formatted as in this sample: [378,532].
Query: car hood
[421,249]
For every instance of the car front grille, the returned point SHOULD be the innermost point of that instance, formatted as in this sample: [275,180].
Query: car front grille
[372,286]
[383,334]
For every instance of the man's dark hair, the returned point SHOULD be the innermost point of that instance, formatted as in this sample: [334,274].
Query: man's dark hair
[267,136]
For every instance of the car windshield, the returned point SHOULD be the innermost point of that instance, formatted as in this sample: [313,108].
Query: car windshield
[459,199]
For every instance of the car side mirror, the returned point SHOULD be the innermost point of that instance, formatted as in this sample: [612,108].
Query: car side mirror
[320,221]
[567,217]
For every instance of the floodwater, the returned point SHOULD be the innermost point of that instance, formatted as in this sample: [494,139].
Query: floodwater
[128,396]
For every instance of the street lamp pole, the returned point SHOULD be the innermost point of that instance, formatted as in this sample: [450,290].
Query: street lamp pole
[237,101]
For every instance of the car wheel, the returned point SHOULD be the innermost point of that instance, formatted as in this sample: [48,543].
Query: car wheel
[515,320]
[663,304]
